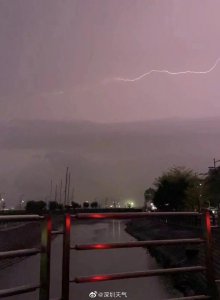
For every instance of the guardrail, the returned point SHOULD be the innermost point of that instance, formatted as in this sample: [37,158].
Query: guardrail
[205,240]
[44,251]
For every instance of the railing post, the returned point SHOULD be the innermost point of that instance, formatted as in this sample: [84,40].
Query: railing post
[66,258]
[206,224]
[46,228]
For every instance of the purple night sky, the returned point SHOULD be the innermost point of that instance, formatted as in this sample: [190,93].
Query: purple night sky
[58,61]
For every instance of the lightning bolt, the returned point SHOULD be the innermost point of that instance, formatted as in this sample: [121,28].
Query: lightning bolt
[167,72]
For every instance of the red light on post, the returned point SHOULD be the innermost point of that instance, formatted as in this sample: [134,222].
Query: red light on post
[49,224]
[208,222]
[68,222]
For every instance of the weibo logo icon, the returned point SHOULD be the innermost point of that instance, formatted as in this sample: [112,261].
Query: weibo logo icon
[93,294]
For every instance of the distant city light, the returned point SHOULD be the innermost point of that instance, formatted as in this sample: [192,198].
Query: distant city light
[130,203]
[153,207]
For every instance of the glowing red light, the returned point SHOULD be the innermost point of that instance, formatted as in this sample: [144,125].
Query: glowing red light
[99,278]
[97,216]
[49,224]
[101,246]
[208,222]
[68,222]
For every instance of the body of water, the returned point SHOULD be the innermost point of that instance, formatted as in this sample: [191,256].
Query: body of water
[85,263]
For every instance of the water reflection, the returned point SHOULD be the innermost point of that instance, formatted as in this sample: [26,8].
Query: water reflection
[87,263]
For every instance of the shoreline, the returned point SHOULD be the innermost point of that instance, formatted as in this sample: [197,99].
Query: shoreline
[171,256]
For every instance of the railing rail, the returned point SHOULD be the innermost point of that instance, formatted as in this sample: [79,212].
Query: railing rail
[44,251]
[137,244]
[18,290]
[210,271]
[198,297]
[20,218]
[19,253]
[46,228]
[206,240]
[149,273]
[132,215]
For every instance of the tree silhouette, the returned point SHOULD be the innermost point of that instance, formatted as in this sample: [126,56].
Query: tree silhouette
[86,204]
[94,204]
[35,206]
[211,187]
[75,204]
[177,189]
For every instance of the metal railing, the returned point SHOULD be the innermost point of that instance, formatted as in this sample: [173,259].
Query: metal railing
[44,251]
[205,240]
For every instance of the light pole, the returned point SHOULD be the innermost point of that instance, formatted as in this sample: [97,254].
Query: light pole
[214,168]
[201,180]
[215,161]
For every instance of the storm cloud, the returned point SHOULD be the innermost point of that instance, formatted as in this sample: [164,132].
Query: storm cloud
[106,160]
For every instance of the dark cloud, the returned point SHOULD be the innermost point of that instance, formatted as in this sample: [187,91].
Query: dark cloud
[105,159]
